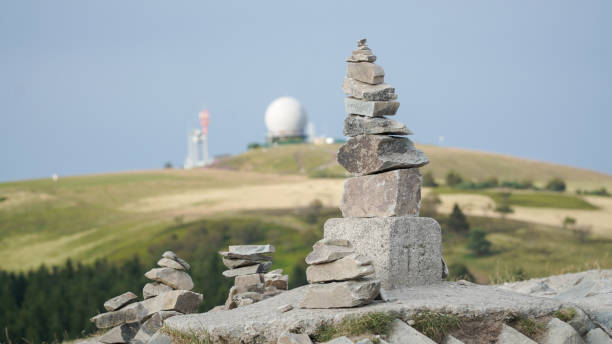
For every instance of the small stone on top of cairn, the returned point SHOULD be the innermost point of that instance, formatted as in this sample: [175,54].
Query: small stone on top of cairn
[169,295]
[249,265]
[338,276]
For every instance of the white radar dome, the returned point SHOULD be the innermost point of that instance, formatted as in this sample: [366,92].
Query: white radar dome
[285,117]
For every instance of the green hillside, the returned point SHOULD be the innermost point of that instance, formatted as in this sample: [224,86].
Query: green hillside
[320,161]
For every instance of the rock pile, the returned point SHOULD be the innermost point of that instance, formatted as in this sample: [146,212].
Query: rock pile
[253,280]
[337,276]
[169,295]
[380,204]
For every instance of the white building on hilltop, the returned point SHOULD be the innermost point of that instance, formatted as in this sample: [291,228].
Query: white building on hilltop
[286,121]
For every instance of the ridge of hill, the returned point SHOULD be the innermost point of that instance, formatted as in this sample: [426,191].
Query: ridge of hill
[320,161]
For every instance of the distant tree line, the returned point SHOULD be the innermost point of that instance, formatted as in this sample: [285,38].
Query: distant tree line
[455,180]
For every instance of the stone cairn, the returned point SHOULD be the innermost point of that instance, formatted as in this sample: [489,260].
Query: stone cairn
[169,295]
[380,204]
[249,265]
[337,276]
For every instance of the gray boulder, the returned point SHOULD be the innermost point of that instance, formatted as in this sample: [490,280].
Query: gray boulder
[355,125]
[452,340]
[176,279]
[370,108]
[119,301]
[597,336]
[347,268]
[393,193]
[362,90]
[340,294]
[369,154]
[160,338]
[340,340]
[278,281]
[250,257]
[129,314]
[509,335]
[401,333]
[154,289]
[120,334]
[366,72]
[248,280]
[294,338]
[559,332]
[183,301]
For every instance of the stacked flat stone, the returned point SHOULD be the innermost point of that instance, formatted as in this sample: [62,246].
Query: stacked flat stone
[338,276]
[249,265]
[169,295]
[380,204]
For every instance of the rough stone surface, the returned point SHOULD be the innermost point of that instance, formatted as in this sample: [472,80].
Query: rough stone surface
[393,193]
[452,340]
[509,335]
[581,322]
[278,281]
[148,328]
[407,250]
[558,332]
[160,338]
[238,263]
[251,257]
[347,268]
[360,55]
[248,280]
[401,333]
[589,290]
[597,336]
[340,340]
[176,300]
[154,289]
[170,263]
[340,294]
[119,301]
[120,334]
[366,72]
[247,270]
[368,154]
[294,338]
[355,125]
[131,313]
[176,279]
[373,108]
[284,308]
[173,256]
[247,250]
[327,253]
[261,322]
[362,90]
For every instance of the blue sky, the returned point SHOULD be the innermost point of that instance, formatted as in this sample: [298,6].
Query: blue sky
[97,86]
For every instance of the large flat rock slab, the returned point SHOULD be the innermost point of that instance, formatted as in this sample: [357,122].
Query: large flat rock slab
[263,323]
[589,290]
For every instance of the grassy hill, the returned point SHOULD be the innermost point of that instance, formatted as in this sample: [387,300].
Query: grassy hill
[320,161]
[116,215]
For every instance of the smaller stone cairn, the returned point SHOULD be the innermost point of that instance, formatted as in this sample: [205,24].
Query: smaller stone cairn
[167,296]
[338,276]
[249,265]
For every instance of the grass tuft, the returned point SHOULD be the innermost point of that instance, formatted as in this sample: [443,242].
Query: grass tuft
[193,337]
[565,314]
[435,325]
[370,323]
[532,328]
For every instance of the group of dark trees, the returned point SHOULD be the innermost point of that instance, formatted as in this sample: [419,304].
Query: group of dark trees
[455,180]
